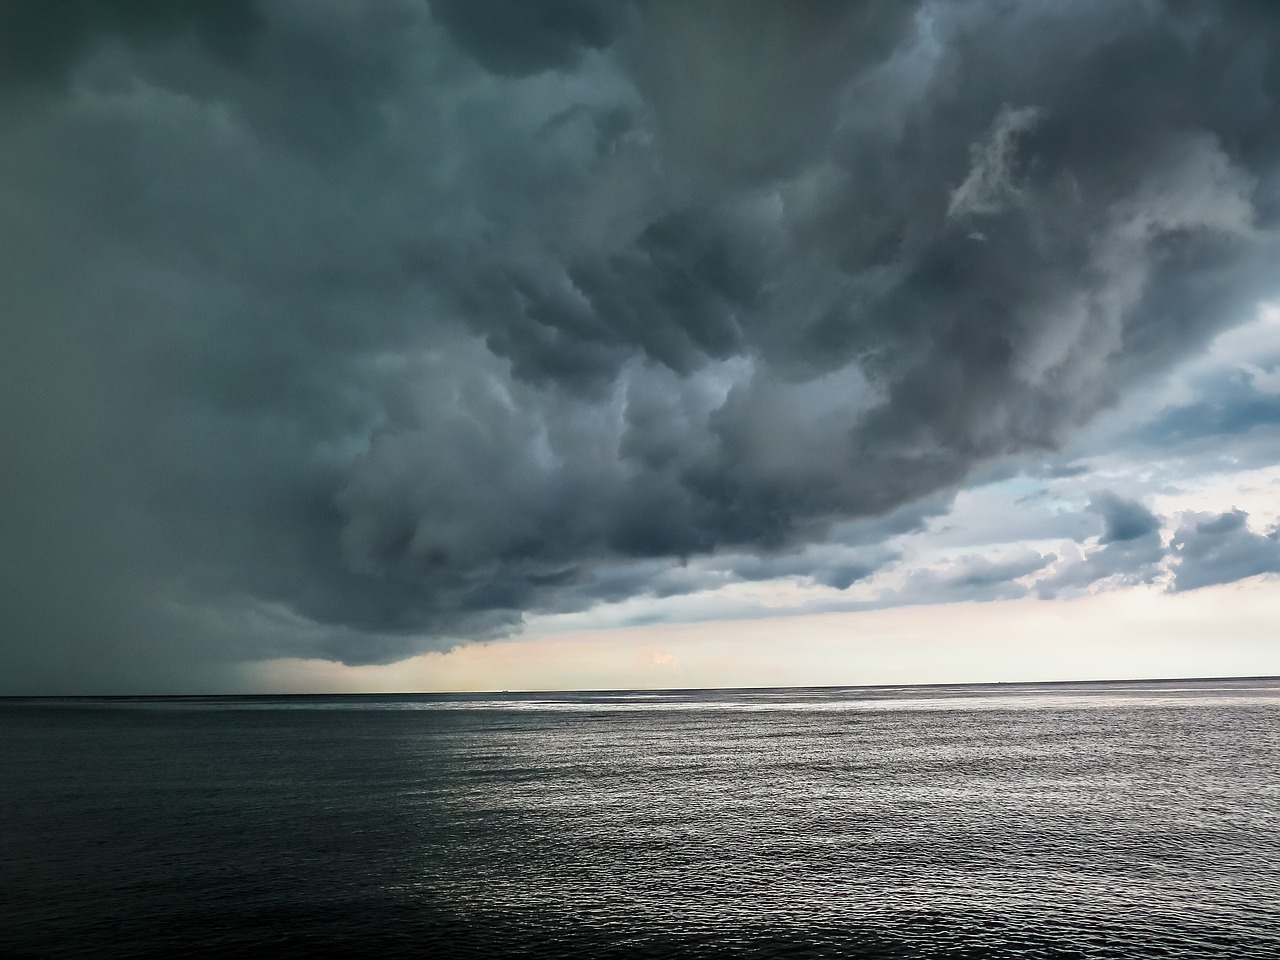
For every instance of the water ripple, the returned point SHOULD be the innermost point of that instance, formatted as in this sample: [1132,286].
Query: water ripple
[1107,822]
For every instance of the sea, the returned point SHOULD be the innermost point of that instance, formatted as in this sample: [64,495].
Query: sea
[1121,820]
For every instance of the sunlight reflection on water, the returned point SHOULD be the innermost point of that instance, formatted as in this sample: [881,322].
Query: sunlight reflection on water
[1107,820]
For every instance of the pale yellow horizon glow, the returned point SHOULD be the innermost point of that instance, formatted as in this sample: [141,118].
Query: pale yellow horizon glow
[1140,633]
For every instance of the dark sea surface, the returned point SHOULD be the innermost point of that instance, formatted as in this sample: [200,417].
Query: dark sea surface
[1057,820]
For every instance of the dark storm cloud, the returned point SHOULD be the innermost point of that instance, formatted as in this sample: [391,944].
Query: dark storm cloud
[350,330]
[40,41]
[516,37]
[1209,550]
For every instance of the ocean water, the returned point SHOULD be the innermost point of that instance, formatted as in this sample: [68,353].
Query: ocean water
[1046,821]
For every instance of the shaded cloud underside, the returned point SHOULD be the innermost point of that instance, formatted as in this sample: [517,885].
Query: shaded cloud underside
[352,330]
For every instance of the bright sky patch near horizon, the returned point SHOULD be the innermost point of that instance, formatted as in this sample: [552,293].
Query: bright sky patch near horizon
[436,345]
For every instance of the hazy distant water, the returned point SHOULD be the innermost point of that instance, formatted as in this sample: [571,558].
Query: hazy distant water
[1117,820]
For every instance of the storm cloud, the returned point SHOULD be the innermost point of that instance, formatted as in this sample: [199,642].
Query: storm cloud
[352,330]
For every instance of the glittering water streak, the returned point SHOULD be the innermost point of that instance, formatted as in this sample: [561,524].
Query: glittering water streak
[1108,820]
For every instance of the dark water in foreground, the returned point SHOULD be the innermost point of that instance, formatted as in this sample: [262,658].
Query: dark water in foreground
[1101,820]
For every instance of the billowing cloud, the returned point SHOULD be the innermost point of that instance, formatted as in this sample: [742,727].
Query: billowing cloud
[353,330]
[1209,550]
[1129,551]
[1126,520]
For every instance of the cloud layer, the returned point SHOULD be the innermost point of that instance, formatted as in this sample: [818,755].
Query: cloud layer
[355,329]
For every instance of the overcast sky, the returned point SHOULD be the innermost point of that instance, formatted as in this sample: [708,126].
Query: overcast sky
[395,344]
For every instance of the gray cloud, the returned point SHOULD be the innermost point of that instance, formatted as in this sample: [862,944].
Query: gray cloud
[1126,520]
[972,577]
[1229,406]
[1210,549]
[511,37]
[1129,550]
[354,330]
[39,42]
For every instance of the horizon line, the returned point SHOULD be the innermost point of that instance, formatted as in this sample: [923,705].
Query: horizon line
[452,693]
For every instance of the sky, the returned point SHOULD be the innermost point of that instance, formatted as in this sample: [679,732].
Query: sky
[550,344]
